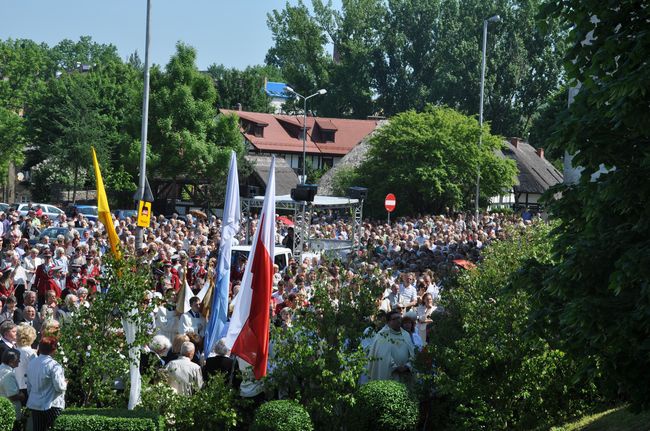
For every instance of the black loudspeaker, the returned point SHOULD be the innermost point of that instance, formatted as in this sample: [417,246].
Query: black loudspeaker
[360,193]
[304,192]
[253,191]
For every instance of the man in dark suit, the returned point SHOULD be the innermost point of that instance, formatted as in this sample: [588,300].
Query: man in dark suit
[8,330]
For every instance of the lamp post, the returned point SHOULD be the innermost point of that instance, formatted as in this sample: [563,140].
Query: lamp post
[495,18]
[304,126]
[141,192]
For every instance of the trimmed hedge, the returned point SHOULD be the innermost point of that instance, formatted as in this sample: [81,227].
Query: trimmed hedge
[282,415]
[385,405]
[7,414]
[84,419]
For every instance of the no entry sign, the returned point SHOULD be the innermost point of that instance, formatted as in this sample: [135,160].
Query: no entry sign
[389,202]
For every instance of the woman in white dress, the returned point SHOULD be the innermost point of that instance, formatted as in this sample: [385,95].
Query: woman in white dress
[25,337]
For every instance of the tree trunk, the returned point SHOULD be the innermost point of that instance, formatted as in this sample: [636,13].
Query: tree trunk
[74,185]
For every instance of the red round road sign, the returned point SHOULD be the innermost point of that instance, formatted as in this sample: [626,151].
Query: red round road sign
[389,202]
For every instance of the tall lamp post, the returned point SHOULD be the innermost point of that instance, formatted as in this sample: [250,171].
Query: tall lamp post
[142,185]
[495,18]
[304,126]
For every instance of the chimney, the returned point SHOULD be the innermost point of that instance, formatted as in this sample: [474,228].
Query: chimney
[238,105]
[540,152]
[515,141]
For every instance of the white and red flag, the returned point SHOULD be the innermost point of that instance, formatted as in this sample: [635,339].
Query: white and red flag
[248,333]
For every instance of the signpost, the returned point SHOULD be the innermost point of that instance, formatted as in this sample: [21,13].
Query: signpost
[389,204]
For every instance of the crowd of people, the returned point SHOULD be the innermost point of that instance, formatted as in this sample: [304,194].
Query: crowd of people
[43,281]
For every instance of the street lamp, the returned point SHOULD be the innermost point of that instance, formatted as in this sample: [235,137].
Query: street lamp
[495,18]
[304,126]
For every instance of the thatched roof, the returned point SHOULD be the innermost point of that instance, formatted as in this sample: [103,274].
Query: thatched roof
[285,177]
[536,173]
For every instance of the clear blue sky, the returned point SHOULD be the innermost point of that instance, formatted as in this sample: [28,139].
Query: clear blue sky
[232,32]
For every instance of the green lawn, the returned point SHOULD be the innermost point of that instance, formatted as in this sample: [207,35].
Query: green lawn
[618,419]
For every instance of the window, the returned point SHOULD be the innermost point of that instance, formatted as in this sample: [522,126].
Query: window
[327,135]
[328,162]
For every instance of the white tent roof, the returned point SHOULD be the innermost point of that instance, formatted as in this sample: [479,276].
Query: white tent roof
[320,201]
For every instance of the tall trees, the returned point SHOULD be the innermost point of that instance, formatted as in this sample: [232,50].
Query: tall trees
[390,56]
[597,295]
[243,86]
[430,158]
[186,139]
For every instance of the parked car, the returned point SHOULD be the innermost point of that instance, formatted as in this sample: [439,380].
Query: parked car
[51,211]
[123,214]
[88,211]
[53,232]
[3,206]
[281,255]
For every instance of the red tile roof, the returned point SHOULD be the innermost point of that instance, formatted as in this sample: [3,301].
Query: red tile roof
[277,139]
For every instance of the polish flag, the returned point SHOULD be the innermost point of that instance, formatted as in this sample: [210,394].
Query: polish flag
[248,333]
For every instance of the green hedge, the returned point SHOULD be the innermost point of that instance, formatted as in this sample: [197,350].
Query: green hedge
[385,405]
[282,415]
[83,419]
[7,414]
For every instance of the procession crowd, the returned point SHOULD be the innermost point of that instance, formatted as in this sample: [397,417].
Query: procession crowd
[44,281]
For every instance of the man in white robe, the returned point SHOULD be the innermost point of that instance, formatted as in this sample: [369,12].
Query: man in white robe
[391,352]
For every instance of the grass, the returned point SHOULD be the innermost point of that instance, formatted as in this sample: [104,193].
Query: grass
[617,419]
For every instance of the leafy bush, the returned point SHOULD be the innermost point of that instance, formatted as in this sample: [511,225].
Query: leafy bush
[211,408]
[102,423]
[319,360]
[141,414]
[281,415]
[384,404]
[492,370]
[93,349]
[7,414]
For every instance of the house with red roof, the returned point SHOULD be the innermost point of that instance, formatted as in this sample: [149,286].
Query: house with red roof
[328,139]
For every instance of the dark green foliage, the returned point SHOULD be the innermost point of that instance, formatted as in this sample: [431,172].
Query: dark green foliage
[281,415]
[243,86]
[109,419]
[12,141]
[93,349]
[435,153]
[597,295]
[494,371]
[385,405]
[210,409]
[7,414]
[392,56]
[318,361]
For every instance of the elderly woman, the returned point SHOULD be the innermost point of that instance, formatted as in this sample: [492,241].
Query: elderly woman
[24,339]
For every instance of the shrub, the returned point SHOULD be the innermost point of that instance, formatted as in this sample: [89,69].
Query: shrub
[282,415]
[383,404]
[211,408]
[108,420]
[493,369]
[7,414]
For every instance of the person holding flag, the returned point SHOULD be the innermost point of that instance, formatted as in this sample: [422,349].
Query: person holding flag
[229,229]
[248,333]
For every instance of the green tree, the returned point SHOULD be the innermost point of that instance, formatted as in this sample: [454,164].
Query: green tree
[491,370]
[69,55]
[24,68]
[93,350]
[243,86]
[12,141]
[299,50]
[596,296]
[430,159]
[187,139]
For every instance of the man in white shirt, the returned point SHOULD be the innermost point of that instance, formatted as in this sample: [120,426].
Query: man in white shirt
[183,375]
[46,386]
[408,294]
[193,321]
[8,383]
